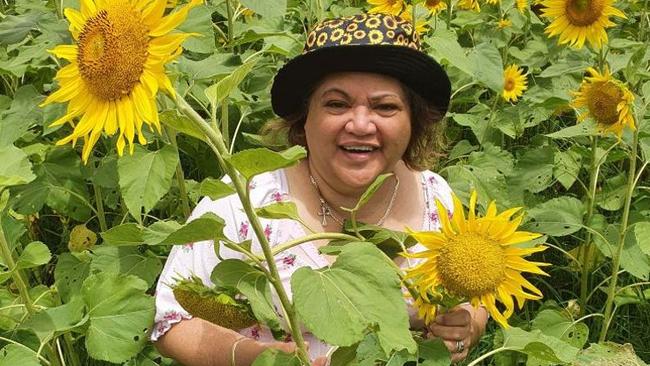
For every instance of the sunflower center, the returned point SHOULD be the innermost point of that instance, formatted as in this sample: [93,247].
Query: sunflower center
[465,273]
[509,84]
[113,50]
[602,101]
[431,3]
[584,12]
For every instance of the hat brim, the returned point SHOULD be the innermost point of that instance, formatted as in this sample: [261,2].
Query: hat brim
[295,80]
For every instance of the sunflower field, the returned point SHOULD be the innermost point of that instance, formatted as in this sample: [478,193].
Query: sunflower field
[117,116]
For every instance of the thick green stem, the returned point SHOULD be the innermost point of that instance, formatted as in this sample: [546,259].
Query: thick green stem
[214,135]
[586,246]
[611,290]
[99,202]
[230,30]
[17,276]
[448,14]
[180,177]
[225,126]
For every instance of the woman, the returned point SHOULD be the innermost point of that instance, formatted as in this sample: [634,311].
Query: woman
[364,100]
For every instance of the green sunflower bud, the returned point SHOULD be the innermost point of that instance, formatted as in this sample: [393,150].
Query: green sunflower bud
[218,306]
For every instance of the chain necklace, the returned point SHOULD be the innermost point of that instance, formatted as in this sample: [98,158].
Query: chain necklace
[326,210]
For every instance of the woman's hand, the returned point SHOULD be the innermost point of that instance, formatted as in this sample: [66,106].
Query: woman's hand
[460,328]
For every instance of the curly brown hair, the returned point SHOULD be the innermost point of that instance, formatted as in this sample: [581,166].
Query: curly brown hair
[425,145]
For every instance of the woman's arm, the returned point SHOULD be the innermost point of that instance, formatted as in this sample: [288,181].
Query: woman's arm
[197,342]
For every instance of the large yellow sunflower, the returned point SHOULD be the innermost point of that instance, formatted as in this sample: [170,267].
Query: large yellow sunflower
[578,20]
[475,258]
[435,6]
[469,5]
[521,5]
[607,101]
[116,68]
[514,83]
[393,7]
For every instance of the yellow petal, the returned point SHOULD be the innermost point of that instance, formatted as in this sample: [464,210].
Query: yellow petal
[172,21]
[65,51]
[75,18]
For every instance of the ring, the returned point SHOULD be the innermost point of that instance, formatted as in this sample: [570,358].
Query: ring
[460,346]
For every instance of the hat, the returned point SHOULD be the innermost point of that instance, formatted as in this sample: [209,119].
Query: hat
[376,43]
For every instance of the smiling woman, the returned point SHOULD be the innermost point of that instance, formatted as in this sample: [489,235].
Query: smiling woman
[364,101]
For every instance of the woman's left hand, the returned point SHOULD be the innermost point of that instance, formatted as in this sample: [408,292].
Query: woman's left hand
[459,328]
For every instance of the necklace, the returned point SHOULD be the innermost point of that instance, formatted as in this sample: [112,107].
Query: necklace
[326,210]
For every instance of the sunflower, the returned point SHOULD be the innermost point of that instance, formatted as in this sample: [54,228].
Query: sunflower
[607,100]
[435,6]
[420,24]
[393,7]
[579,20]
[116,68]
[450,261]
[504,23]
[469,5]
[521,5]
[492,2]
[514,83]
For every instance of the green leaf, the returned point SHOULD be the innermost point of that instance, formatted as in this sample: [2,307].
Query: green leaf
[69,274]
[207,227]
[14,29]
[631,295]
[534,170]
[642,234]
[558,216]
[558,324]
[125,234]
[538,345]
[252,283]
[492,157]
[444,46]
[15,168]
[218,92]
[372,188]
[609,353]
[567,167]
[586,128]
[181,124]
[612,196]
[434,352]
[278,211]
[35,254]
[127,261]
[215,189]
[13,354]
[360,291]
[266,8]
[22,115]
[46,323]
[633,260]
[565,67]
[145,177]
[488,183]
[252,162]
[121,315]
[487,66]
[274,357]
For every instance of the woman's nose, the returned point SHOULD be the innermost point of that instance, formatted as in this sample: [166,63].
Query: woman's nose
[361,122]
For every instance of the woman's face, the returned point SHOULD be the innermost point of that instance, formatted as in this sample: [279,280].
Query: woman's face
[358,126]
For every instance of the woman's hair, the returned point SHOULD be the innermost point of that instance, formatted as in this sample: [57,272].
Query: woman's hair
[425,145]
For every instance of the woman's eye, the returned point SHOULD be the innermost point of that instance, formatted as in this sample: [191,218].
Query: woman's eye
[387,107]
[335,104]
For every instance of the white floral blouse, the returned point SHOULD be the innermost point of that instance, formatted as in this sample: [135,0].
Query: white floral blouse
[199,258]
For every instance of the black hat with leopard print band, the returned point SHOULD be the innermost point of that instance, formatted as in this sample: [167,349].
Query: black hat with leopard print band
[377,43]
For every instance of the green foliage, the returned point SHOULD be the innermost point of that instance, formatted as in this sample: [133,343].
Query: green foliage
[252,162]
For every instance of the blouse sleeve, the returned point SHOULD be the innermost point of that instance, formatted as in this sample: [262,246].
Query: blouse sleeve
[191,259]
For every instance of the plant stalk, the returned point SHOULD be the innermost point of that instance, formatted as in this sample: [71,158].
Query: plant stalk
[101,216]
[215,137]
[180,177]
[17,276]
[586,249]
[611,290]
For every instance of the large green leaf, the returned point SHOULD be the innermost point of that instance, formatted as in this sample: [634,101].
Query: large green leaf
[359,292]
[488,183]
[46,323]
[642,234]
[181,124]
[220,91]
[60,184]
[121,315]
[125,234]
[252,283]
[274,357]
[266,8]
[127,261]
[35,254]
[13,355]
[558,324]
[279,210]
[567,167]
[252,162]
[372,189]
[558,216]
[434,353]
[538,345]
[612,195]
[444,46]
[215,189]
[534,170]
[15,168]
[14,29]
[69,274]
[15,121]
[587,128]
[145,177]
[633,260]
[487,66]
[609,354]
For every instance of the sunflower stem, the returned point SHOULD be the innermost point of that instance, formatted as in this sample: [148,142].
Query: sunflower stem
[16,275]
[216,139]
[225,127]
[611,290]
[230,30]
[586,248]
[180,176]
[101,216]
[448,14]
